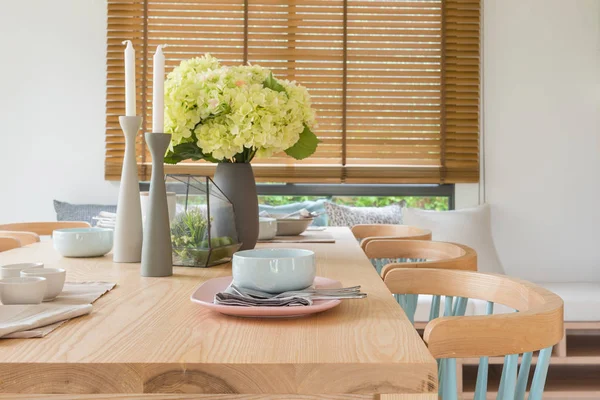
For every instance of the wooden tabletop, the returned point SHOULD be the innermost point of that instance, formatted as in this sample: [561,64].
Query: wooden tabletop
[146,336]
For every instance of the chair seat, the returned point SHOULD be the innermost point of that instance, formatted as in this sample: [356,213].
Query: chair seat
[424,305]
[582,301]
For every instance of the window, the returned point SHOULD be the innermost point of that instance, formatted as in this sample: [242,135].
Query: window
[395,83]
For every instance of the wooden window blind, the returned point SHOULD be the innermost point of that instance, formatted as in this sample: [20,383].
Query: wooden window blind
[395,83]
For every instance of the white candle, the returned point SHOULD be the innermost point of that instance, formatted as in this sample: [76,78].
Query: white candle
[129,79]
[158,92]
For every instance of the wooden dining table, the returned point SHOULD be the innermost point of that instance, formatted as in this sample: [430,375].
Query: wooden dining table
[146,339]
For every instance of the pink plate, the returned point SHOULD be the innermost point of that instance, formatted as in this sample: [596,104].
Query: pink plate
[205,295]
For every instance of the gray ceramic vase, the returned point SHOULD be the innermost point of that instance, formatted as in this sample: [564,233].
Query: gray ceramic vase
[157,252]
[236,181]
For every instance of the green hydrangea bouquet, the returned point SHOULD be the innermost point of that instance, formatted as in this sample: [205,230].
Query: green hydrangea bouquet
[232,114]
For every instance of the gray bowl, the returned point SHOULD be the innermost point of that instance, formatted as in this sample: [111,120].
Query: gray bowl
[292,226]
[83,242]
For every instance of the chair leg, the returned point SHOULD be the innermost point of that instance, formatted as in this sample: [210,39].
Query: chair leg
[539,377]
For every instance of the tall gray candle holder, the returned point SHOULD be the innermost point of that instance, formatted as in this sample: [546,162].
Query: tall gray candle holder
[157,252]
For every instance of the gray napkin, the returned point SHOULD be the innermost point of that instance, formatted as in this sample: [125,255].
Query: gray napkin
[231,297]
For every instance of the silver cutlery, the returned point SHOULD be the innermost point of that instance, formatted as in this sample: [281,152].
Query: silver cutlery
[312,293]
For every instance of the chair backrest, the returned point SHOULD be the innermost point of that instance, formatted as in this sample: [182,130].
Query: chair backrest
[43,228]
[9,243]
[367,232]
[422,254]
[538,325]
[24,237]
[386,255]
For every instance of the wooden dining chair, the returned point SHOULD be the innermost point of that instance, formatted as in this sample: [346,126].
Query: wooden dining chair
[43,228]
[388,254]
[537,325]
[364,233]
[24,237]
[9,243]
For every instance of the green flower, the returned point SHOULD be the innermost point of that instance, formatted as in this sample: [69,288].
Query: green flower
[225,111]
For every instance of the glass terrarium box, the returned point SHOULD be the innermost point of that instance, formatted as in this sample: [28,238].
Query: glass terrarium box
[203,229]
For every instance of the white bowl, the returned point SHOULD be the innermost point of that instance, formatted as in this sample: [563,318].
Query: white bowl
[292,226]
[267,228]
[14,270]
[274,270]
[55,280]
[22,290]
[83,242]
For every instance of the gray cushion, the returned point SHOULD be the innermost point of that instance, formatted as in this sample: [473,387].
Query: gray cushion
[80,212]
[340,215]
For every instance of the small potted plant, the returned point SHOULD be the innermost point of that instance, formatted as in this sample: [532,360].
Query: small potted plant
[203,230]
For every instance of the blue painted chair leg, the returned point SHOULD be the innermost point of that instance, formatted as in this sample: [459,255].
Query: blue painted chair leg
[508,381]
[523,376]
[441,368]
[539,377]
[450,391]
[482,371]
[448,306]
[460,306]
[482,379]
[434,312]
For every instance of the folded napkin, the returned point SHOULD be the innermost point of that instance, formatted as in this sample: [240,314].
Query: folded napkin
[38,320]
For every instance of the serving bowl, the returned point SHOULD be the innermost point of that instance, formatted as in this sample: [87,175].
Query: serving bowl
[83,242]
[14,270]
[267,228]
[55,280]
[274,270]
[22,290]
[292,226]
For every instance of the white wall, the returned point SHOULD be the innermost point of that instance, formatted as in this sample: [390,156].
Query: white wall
[541,120]
[542,136]
[52,78]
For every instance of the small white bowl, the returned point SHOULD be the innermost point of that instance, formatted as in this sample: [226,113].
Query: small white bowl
[14,270]
[83,242]
[267,228]
[55,280]
[22,290]
[274,270]
[292,226]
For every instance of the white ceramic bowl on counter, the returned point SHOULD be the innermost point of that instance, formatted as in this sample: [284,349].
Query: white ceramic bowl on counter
[267,228]
[22,290]
[274,270]
[55,280]
[83,242]
[14,270]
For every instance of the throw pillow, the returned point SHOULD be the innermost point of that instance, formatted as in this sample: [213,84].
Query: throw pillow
[469,226]
[340,215]
[80,212]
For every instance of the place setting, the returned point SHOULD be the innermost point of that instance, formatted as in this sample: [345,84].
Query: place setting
[268,283]
[37,299]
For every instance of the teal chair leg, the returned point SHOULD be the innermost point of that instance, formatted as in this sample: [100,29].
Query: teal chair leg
[482,379]
[482,371]
[539,377]
[508,381]
[523,376]
[441,368]
[448,306]
[450,391]
[434,312]
[460,306]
